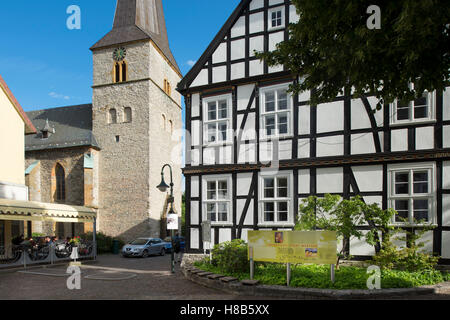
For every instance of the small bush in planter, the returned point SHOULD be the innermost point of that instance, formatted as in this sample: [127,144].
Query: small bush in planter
[231,256]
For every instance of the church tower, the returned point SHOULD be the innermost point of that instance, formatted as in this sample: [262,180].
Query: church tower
[136,120]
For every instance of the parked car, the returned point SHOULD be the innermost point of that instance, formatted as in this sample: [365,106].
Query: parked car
[144,247]
[169,243]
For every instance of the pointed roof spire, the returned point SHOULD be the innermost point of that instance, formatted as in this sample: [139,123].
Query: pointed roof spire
[139,20]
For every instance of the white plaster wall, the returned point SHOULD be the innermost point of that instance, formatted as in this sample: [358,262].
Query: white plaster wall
[304,179]
[219,74]
[446,136]
[195,191]
[445,245]
[399,140]
[446,104]
[240,208]
[362,143]
[330,117]
[446,175]
[195,216]
[293,16]
[304,119]
[256,68]
[446,210]
[303,148]
[330,146]
[195,234]
[243,96]
[361,247]
[247,153]
[237,70]
[220,55]
[285,150]
[424,138]
[224,235]
[195,105]
[257,22]
[359,117]
[201,79]
[239,27]
[256,44]
[369,178]
[238,49]
[244,181]
[330,180]
[256,4]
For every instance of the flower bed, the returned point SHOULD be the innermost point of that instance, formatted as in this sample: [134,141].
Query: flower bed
[318,276]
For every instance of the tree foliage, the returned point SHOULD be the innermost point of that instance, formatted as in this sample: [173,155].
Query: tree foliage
[333,213]
[331,49]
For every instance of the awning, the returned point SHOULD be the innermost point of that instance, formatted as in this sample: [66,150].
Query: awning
[38,211]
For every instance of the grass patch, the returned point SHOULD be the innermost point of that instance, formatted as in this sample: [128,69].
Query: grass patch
[318,276]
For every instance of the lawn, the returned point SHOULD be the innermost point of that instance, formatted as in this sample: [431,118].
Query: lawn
[318,276]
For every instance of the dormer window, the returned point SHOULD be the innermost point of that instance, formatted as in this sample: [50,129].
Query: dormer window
[47,130]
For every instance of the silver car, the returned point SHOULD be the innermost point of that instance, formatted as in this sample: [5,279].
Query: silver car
[143,247]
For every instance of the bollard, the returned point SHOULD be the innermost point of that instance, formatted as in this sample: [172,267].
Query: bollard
[252,263]
[332,273]
[288,270]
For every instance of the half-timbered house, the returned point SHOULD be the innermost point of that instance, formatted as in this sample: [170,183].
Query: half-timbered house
[255,151]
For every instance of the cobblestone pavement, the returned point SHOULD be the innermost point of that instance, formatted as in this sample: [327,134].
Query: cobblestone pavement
[143,279]
[152,280]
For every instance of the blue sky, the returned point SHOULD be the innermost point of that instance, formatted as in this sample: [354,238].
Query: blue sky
[47,65]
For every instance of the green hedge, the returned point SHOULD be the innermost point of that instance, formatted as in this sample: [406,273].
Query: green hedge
[104,242]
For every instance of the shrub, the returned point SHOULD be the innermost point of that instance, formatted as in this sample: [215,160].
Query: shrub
[231,256]
[409,258]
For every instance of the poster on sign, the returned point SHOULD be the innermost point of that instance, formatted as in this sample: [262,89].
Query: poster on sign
[172,222]
[317,247]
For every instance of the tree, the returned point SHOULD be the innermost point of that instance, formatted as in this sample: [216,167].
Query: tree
[333,50]
[332,213]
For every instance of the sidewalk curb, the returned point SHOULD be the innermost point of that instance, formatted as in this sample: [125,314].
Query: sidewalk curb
[243,288]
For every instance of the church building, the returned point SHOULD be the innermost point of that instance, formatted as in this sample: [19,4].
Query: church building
[255,150]
[108,154]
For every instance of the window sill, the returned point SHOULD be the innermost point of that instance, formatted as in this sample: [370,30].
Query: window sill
[275,224]
[272,138]
[412,122]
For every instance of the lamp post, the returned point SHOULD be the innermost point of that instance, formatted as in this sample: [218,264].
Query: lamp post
[163,188]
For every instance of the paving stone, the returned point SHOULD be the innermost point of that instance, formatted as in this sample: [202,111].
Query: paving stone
[250,282]
[228,279]
[204,274]
[215,276]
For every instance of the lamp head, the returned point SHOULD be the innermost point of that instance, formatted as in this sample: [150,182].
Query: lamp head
[163,186]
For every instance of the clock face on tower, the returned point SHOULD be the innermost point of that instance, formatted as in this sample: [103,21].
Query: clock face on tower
[119,54]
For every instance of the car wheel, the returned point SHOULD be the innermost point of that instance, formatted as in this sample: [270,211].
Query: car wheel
[145,254]
[163,252]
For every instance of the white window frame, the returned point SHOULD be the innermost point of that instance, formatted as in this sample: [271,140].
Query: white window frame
[228,120]
[263,114]
[283,18]
[228,201]
[431,111]
[431,195]
[262,200]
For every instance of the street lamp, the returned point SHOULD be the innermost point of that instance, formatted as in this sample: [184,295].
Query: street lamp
[163,188]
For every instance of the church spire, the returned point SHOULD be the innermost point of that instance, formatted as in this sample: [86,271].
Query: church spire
[137,20]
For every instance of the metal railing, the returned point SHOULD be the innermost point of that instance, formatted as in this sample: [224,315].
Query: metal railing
[25,255]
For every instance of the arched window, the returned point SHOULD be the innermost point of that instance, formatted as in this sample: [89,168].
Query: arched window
[124,71]
[60,192]
[117,72]
[112,118]
[127,115]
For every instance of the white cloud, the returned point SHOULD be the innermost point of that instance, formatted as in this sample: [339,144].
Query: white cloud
[58,96]
[191,63]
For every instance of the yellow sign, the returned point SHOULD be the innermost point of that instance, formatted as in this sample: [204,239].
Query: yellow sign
[318,247]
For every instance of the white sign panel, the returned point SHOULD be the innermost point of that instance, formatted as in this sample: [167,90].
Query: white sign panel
[172,222]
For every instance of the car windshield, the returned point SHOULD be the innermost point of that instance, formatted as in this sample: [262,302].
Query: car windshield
[139,242]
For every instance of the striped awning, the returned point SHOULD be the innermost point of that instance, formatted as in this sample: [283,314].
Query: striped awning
[38,211]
